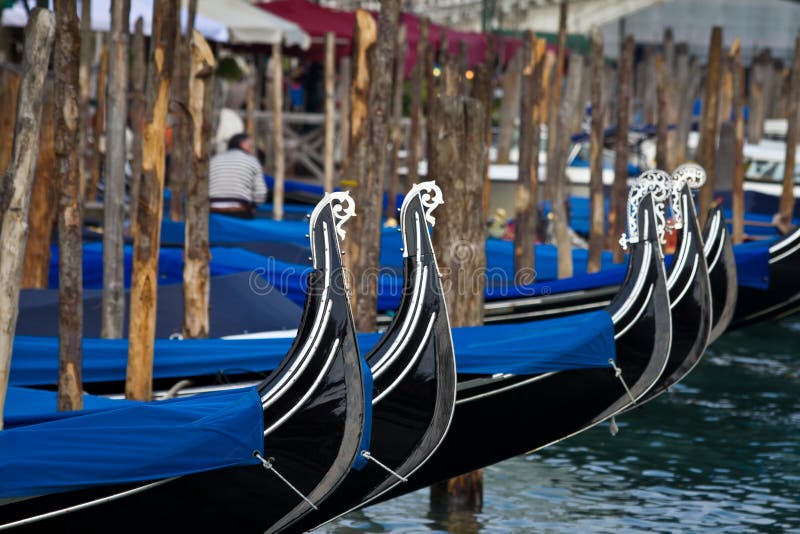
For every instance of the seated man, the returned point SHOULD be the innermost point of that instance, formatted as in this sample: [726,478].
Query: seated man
[235,183]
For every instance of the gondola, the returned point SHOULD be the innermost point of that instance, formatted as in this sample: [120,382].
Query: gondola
[413,369]
[721,269]
[781,297]
[687,281]
[313,408]
[502,415]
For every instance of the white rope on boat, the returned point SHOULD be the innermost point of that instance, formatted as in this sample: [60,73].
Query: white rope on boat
[267,463]
[368,456]
[618,374]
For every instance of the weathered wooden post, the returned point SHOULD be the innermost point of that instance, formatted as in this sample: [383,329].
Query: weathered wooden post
[16,184]
[84,82]
[180,157]
[553,139]
[787,195]
[279,162]
[483,90]
[70,218]
[9,91]
[528,165]
[415,128]
[113,304]
[688,83]
[43,211]
[96,162]
[725,93]
[459,240]
[138,109]
[369,141]
[509,107]
[196,274]
[139,380]
[330,110]
[708,123]
[596,200]
[250,100]
[738,154]
[662,114]
[397,116]
[345,78]
[570,105]
[755,120]
[619,191]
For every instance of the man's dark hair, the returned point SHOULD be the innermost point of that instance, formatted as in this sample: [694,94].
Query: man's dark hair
[236,140]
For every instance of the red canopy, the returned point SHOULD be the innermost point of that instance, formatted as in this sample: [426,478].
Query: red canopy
[317,21]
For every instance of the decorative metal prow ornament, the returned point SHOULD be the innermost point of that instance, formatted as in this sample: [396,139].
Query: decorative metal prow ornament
[430,196]
[690,174]
[343,208]
[658,184]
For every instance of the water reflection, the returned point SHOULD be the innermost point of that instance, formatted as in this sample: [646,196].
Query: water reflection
[718,452]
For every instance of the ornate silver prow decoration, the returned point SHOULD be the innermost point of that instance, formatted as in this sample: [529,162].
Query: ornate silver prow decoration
[430,196]
[343,208]
[657,184]
[688,173]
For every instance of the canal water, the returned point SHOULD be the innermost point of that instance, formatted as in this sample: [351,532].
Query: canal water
[720,452]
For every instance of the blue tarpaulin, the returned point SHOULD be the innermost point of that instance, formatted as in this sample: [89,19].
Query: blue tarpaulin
[752,263]
[133,443]
[579,341]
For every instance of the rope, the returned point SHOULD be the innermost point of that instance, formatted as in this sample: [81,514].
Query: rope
[614,429]
[267,463]
[368,456]
[618,374]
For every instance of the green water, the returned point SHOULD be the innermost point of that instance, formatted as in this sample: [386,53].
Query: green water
[718,453]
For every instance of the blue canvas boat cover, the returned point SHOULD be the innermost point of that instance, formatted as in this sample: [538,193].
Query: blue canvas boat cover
[134,442]
[752,263]
[580,341]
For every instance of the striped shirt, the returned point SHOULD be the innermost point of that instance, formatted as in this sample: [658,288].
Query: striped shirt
[236,175]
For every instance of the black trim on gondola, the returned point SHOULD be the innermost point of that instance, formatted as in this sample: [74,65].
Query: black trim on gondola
[314,417]
[414,373]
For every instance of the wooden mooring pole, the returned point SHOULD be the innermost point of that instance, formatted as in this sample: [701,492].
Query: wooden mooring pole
[554,105]
[738,155]
[509,108]
[43,209]
[619,191]
[139,379]
[96,162]
[278,157]
[196,274]
[415,128]
[787,195]
[708,123]
[596,196]
[396,126]
[330,110]
[459,242]
[113,303]
[84,83]
[70,217]
[181,153]
[138,108]
[525,215]
[369,142]
[16,183]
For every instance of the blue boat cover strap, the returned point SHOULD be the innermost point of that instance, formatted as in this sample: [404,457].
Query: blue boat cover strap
[136,442]
[580,341]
